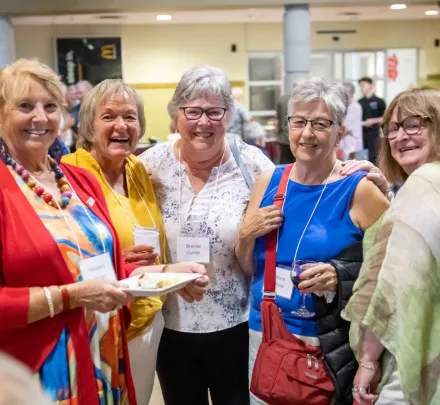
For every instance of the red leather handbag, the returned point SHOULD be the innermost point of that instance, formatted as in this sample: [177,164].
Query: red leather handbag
[287,370]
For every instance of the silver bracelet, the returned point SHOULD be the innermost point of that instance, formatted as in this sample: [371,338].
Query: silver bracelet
[389,194]
[49,301]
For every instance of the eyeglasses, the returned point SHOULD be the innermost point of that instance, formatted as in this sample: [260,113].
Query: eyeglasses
[318,124]
[195,113]
[411,125]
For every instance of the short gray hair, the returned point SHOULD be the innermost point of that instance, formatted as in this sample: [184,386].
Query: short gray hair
[316,88]
[202,81]
[97,96]
[17,384]
[349,88]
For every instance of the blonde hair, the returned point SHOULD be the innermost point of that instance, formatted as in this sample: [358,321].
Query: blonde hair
[15,80]
[422,101]
[95,98]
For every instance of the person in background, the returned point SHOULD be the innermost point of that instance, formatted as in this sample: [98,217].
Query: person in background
[352,141]
[202,193]
[72,96]
[83,88]
[395,307]
[348,205]
[112,120]
[241,115]
[286,155]
[17,384]
[373,109]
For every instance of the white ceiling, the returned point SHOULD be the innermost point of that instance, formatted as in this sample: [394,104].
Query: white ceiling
[41,7]
[242,15]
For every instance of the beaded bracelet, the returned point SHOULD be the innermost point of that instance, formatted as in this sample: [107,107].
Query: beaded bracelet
[49,301]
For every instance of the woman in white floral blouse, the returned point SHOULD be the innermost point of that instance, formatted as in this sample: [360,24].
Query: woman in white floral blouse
[203,194]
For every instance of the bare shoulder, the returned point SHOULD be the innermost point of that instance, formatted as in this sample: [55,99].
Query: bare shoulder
[260,187]
[368,204]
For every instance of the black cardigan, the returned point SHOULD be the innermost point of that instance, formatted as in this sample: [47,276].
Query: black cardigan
[333,330]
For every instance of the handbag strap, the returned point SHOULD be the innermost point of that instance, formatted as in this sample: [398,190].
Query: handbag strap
[240,163]
[272,240]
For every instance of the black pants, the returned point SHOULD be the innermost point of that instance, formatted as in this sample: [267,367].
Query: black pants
[286,156]
[188,364]
[371,142]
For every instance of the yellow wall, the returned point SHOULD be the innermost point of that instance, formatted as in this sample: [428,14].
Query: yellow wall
[161,53]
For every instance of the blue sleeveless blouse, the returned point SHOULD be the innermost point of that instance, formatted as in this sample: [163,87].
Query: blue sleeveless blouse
[329,232]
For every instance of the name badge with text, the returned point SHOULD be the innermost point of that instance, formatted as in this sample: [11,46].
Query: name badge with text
[98,268]
[193,249]
[284,285]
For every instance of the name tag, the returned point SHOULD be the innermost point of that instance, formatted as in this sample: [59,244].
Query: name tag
[284,285]
[193,249]
[98,268]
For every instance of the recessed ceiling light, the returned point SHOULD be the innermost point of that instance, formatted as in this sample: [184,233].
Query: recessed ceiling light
[398,6]
[432,12]
[163,17]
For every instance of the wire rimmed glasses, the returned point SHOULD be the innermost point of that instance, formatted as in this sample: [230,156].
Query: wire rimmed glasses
[318,124]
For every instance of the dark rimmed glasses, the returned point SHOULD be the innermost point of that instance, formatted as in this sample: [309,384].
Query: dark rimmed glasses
[195,113]
[411,125]
[318,124]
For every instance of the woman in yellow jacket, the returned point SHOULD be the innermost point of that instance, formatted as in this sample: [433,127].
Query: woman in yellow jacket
[111,123]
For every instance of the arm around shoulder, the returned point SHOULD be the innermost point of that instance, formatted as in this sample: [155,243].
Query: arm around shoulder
[246,242]
[368,204]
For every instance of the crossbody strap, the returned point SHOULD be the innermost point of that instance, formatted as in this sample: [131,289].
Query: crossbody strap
[272,241]
[240,163]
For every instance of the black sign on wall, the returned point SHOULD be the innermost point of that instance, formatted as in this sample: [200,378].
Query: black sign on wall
[92,59]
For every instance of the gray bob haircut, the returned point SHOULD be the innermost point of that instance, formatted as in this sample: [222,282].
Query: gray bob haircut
[202,81]
[97,96]
[349,88]
[316,88]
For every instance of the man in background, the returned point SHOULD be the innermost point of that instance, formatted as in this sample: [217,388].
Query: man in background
[241,115]
[83,88]
[373,109]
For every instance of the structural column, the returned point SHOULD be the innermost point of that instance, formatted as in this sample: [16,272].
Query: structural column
[7,46]
[297,44]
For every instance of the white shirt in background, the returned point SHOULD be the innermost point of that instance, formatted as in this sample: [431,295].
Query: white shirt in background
[352,141]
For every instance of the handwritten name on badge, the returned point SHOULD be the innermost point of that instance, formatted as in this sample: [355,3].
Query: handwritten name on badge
[193,249]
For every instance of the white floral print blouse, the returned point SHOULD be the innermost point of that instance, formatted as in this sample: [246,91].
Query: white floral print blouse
[226,303]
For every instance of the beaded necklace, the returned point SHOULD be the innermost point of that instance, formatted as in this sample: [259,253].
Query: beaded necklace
[38,188]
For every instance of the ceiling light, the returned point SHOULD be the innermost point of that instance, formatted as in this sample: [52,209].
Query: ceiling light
[163,17]
[431,12]
[398,6]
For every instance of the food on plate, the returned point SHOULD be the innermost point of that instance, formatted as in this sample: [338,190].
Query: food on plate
[147,282]
[150,283]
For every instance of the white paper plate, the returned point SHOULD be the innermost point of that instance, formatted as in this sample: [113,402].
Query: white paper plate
[182,279]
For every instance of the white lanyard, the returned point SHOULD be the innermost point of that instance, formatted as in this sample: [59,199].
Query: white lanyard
[213,196]
[127,211]
[313,211]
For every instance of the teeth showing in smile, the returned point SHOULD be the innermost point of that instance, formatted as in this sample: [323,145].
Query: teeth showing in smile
[408,148]
[202,134]
[307,145]
[119,140]
[36,131]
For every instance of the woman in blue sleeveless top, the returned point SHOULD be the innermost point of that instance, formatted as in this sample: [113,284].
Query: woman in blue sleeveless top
[324,214]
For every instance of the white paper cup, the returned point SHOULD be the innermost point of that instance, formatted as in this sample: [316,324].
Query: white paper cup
[146,236]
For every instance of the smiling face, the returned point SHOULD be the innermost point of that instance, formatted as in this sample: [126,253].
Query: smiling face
[30,123]
[116,128]
[203,135]
[308,144]
[412,151]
